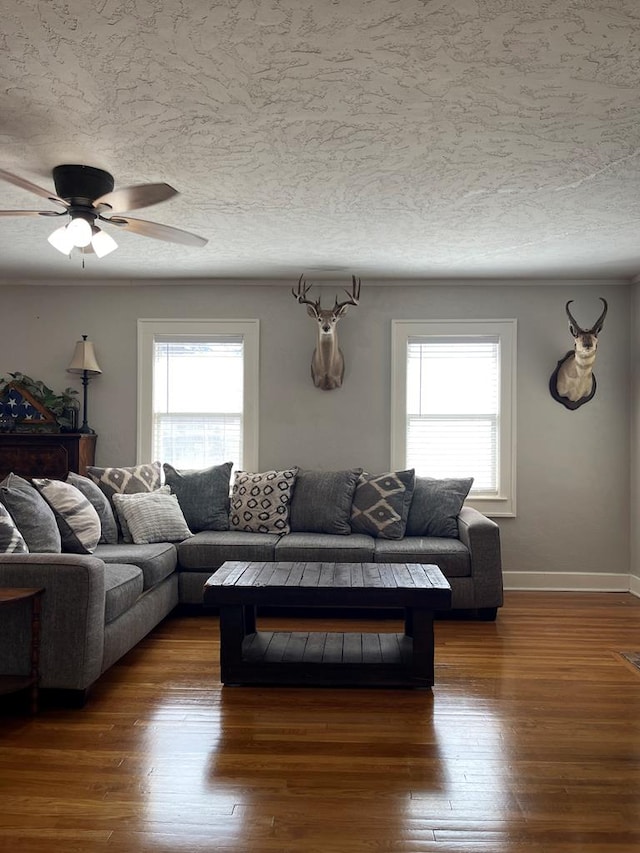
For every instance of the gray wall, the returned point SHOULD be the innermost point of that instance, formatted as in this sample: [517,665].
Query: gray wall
[635,438]
[573,471]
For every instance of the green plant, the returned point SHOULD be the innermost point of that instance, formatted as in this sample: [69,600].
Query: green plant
[60,405]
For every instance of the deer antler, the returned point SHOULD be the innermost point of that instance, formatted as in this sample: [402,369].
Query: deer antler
[353,297]
[301,294]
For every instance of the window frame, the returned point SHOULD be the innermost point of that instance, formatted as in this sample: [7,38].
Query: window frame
[504,503]
[249,330]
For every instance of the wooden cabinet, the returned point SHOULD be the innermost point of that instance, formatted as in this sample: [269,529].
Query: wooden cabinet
[46,454]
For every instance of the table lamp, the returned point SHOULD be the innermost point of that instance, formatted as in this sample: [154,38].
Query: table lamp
[84,362]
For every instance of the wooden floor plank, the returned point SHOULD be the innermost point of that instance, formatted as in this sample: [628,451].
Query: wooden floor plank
[528,743]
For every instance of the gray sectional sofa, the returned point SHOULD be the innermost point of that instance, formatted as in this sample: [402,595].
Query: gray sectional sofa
[99,605]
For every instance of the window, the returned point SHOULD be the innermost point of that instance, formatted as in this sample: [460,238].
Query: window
[198,392]
[453,405]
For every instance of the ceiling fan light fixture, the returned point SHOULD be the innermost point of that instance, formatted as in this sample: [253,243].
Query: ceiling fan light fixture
[61,240]
[102,243]
[80,231]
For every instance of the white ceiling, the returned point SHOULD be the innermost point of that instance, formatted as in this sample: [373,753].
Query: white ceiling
[387,138]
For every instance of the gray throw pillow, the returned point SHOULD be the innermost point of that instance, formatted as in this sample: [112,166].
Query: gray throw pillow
[436,505]
[93,493]
[322,501]
[77,520]
[203,495]
[11,540]
[381,504]
[33,516]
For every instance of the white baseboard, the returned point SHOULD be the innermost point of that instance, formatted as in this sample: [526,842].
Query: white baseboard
[571,582]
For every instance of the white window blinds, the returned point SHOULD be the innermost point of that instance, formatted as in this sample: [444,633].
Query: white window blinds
[453,408]
[198,400]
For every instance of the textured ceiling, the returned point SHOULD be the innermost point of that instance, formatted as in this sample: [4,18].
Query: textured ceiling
[415,138]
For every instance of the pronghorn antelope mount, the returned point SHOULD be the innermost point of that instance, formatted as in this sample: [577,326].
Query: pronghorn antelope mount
[572,383]
[327,363]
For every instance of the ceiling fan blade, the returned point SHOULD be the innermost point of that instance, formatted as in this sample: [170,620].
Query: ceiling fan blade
[34,188]
[157,231]
[32,213]
[133,198]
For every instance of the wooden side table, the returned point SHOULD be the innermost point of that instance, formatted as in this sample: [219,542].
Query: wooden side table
[10,596]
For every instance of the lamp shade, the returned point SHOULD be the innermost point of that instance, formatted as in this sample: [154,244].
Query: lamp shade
[84,358]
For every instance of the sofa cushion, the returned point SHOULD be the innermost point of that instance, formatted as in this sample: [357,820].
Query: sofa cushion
[450,555]
[156,561]
[322,501]
[203,495]
[123,585]
[76,517]
[32,515]
[11,540]
[260,501]
[152,517]
[381,503]
[99,501]
[435,506]
[209,549]
[324,547]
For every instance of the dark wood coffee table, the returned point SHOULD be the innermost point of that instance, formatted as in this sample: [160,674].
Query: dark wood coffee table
[248,656]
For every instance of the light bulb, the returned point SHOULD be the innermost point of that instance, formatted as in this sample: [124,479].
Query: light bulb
[102,243]
[79,231]
[61,240]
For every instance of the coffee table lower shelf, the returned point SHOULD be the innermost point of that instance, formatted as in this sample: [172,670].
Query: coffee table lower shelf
[317,658]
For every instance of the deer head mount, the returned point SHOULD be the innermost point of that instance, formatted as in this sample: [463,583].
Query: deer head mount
[327,363]
[572,383]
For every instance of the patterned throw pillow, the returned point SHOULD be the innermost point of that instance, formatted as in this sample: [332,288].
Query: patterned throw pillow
[77,519]
[11,540]
[203,495]
[109,528]
[126,481]
[153,517]
[260,502]
[33,516]
[436,505]
[381,504]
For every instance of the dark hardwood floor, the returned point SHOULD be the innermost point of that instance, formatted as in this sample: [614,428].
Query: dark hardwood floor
[529,741]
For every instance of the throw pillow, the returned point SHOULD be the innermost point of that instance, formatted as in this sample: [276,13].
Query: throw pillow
[381,504]
[77,519]
[108,526]
[120,515]
[33,516]
[153,517]
[126,481]
[322,501]
[436,505]
[11,540]
[203,495]
[260,502]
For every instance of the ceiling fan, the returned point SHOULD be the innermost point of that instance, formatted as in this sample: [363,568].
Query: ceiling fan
[87,196]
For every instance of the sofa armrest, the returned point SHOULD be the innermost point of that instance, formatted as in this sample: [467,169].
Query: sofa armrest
[72,621]
[481,535]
